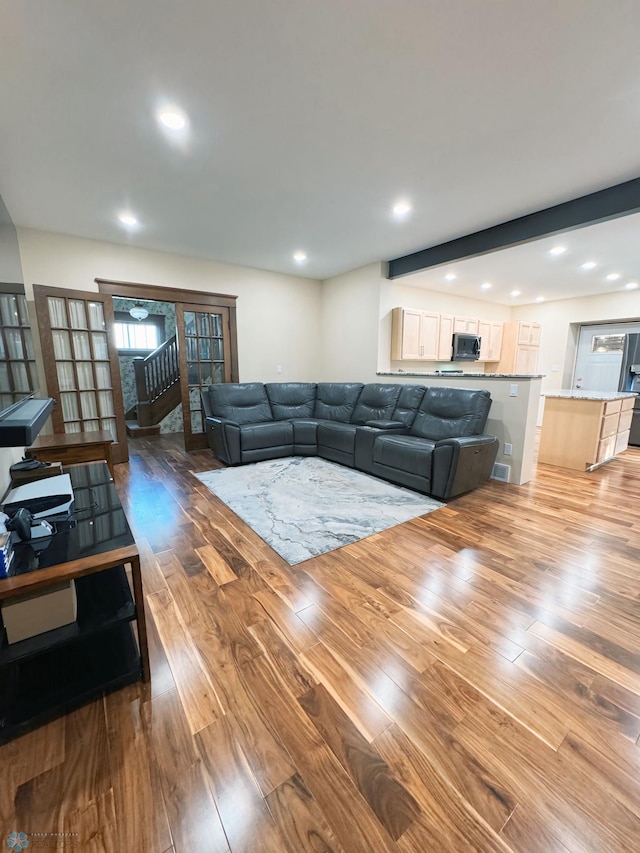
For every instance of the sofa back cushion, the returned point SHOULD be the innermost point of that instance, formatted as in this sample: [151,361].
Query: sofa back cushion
[291,399]
[375,403]
[407,404]
[335,401]
[242,402]
[451,412]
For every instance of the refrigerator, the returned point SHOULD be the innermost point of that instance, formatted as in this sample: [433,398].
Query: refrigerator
[630,381]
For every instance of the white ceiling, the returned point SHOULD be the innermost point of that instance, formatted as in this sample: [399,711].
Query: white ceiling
[309,118]
[533,270]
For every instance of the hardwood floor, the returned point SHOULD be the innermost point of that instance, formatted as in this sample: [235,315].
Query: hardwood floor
[469,680]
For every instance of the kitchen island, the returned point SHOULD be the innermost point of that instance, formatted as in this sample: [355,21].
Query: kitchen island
[584,429]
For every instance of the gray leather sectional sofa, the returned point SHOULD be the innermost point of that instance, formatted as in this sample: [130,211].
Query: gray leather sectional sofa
[428,439]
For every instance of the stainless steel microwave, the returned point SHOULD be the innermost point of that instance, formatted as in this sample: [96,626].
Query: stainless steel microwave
[465,347]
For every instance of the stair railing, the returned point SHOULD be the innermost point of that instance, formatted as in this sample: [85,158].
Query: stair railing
[155,375]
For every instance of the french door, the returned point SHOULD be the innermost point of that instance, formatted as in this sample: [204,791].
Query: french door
[204,348]
[81,363]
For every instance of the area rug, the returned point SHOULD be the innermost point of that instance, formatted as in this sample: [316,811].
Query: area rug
[304,506]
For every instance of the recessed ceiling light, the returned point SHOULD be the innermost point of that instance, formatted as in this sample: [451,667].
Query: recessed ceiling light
[300,256]
[450,276]
[539,298]
[486,285]
[401,209]
[588,265]
[128,219]
[172,118]
[632,285]
[613,276]
[558,250]
[515,293]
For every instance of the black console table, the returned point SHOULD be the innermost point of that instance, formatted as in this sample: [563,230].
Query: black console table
[54,672]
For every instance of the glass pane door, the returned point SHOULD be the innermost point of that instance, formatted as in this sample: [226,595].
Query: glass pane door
[18,375]
[82,370]
[205,359]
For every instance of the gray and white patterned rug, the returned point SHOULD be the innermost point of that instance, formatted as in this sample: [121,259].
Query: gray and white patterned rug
[304,506]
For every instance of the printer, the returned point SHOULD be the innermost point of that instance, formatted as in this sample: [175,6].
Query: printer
[52,496]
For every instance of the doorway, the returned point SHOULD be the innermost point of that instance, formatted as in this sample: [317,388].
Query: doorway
[599,356]
[82,372]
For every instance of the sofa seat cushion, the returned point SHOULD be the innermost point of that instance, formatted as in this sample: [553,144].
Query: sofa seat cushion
[404,452]
[337,436]
[273,434]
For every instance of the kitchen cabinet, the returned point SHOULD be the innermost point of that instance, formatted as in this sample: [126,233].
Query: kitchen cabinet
[465,325]
[414,335]
[583,429]
[520,348]
[490,340]
[445,348]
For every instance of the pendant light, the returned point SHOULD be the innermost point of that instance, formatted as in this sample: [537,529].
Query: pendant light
[139,312]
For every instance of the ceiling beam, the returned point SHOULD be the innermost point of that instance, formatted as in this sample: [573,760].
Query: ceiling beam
[619,200]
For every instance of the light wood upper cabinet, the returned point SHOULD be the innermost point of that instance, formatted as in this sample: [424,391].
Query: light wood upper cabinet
[465,325]
[520,348]
[414,335]
[445,345]
[490,340]
[528,333]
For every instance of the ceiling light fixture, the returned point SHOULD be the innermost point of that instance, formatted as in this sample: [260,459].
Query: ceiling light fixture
[138,312]
[128,219]
[515,293]
[450,276]
[486,285]
[632,285]
[558,250]
[588,265]
[613,276]
[299,257]
[401,209]
[539,298]
[172,118]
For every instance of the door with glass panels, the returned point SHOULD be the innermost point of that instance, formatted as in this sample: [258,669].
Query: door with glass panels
[81,364]
[18,376]
[205,359]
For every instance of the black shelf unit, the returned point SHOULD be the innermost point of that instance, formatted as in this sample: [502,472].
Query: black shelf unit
[54,672]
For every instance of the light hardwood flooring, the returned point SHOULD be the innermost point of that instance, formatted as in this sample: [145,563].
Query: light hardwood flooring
[469,680]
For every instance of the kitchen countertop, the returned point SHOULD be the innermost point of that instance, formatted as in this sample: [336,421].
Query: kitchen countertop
[579,394]
[463,375]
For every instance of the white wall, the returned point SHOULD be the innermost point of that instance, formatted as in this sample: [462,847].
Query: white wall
[349,324]
[278,315]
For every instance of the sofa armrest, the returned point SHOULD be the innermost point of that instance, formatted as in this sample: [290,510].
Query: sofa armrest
[223,437]
[365,439]
[387,425]
[462,464]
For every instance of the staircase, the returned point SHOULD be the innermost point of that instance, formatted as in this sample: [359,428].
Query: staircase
[157,389]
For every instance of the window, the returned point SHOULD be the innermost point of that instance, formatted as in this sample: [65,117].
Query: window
[142,336]
[607,343]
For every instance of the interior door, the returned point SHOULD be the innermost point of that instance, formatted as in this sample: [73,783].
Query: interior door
[81,363]
[205,358]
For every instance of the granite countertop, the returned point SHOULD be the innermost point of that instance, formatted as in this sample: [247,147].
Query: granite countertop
[579,394]
[463,375]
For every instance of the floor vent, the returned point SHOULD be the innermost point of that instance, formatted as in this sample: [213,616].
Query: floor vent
[501,472]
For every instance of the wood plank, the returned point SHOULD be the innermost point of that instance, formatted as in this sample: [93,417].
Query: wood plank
[198,696]
[232,782]
[394,807]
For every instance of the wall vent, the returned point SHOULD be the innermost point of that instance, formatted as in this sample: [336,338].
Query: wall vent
[501,472]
